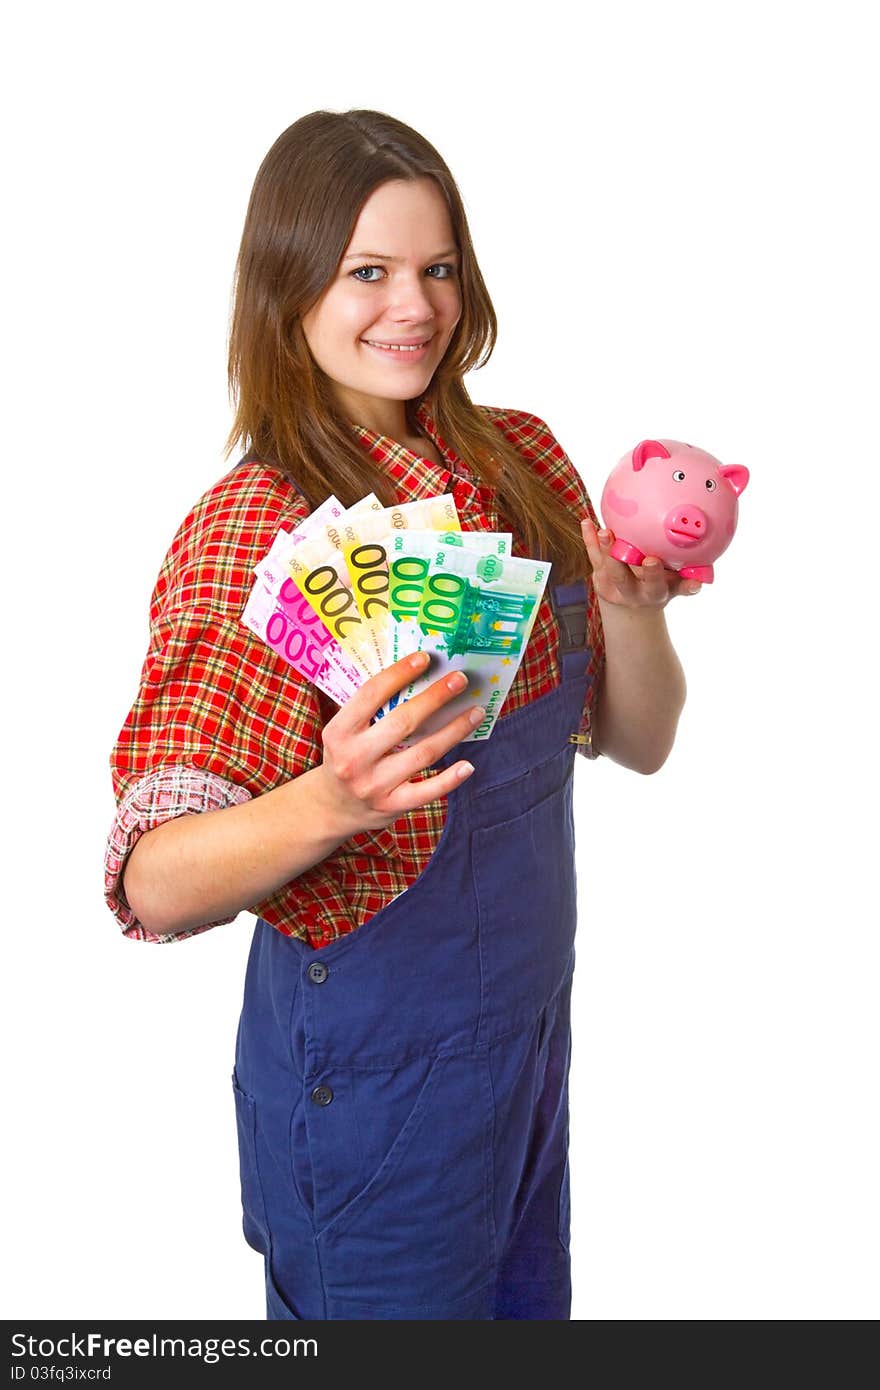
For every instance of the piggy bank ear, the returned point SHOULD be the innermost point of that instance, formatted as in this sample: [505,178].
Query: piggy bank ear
[736,475]
[648,449]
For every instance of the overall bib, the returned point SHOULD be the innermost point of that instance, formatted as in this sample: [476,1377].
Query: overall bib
[402,1093]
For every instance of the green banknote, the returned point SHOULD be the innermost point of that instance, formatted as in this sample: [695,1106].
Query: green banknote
[472,610]
[407,572]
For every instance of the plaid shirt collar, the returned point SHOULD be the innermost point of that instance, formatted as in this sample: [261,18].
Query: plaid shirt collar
[415,476]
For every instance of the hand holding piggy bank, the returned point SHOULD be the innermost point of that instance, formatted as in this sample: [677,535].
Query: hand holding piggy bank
[674,501]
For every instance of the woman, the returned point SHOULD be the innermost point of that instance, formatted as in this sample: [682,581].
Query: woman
[403,1052]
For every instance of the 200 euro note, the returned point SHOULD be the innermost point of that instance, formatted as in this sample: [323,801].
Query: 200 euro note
[475,614]
[317,568]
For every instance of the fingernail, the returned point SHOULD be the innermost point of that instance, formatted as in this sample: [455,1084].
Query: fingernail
[477,715]
[465,770]
[458,681]
[419,659]
[603,535]
[694,588]
[651,564]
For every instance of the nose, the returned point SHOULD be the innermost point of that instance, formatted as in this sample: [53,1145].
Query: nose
[411,302]
[686,525]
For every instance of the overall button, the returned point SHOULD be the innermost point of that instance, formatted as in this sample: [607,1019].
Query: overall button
[322,1095]
[318,972]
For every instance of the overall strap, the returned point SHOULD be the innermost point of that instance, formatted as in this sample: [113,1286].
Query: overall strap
[250,457]
[569,602]
[253,457]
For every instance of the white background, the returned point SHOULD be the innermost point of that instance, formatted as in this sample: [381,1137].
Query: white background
[673,208]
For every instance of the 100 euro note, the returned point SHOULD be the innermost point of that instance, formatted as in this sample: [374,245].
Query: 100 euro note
[408,571]
[476,614]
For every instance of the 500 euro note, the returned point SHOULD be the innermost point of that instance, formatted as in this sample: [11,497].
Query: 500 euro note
[475,614]
[281,617]
[290,626]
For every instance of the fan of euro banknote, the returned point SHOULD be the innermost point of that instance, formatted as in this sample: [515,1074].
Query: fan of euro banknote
[351,591]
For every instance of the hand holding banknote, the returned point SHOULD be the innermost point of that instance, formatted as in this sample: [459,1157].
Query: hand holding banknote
[364,780]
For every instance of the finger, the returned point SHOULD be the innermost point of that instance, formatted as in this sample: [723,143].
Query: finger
[653,578]
[618,571]
[596,539]
[406,717]
[402,764]
[686,586]
[678,585]
[357,712]
[412,795]
[591,541]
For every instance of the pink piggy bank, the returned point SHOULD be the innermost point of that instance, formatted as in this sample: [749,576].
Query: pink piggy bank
[674,501]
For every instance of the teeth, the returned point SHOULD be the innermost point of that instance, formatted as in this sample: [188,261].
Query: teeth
[391,347]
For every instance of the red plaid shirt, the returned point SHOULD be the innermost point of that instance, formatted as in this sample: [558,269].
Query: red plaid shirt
[220,718]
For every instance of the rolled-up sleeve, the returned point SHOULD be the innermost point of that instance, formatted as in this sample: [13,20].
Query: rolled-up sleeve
[160,796]
[218,719]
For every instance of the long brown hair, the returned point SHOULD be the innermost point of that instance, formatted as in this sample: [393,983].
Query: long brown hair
[305,202]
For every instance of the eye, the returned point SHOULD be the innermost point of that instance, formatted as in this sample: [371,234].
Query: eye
[441,265]
[356,274]
[711,484]
[678,475]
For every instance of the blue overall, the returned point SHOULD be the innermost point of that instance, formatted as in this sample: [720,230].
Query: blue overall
[402,1093]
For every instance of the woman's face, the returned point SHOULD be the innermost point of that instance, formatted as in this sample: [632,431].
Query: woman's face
[397,283]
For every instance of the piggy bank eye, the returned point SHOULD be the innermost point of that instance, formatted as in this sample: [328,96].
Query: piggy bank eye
[711,484]
[678,475]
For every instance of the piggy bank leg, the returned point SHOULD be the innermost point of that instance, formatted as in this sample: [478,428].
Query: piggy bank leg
[704,573]
[630,554]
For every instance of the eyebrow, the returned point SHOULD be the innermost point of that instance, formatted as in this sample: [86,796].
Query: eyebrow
[377,255]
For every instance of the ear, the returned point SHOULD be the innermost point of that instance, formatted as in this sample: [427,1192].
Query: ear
[648,449]
[736,475]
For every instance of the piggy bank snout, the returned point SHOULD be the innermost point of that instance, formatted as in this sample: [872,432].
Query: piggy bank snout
[686,525]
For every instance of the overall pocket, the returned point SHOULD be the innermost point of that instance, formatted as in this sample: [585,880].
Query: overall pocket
[420,1231]
[525,883]
[277,1306]
[254,1223]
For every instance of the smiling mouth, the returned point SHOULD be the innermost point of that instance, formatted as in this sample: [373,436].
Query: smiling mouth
[398,347]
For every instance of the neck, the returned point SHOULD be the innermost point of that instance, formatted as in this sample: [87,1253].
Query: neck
[396,419]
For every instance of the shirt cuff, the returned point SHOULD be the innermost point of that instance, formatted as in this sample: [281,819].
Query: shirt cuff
[160,796]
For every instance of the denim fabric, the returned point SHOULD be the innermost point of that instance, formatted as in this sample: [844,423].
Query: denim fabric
[402,1093]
